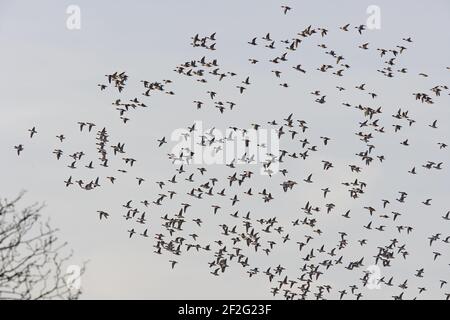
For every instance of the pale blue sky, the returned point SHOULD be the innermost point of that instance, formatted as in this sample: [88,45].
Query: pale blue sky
[50,76]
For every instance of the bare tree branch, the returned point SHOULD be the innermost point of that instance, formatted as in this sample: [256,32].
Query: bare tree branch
[32,259]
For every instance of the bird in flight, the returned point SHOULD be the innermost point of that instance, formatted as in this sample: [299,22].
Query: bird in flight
[32,132]
[286,9]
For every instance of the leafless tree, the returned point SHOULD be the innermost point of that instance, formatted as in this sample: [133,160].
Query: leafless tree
[31,256]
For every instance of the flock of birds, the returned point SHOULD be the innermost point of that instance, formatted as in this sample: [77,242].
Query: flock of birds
[219,201]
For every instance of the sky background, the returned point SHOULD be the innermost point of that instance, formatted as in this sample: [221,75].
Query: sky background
[49,80]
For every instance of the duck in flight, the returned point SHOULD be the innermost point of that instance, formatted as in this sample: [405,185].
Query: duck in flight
[32,132]
[19,148]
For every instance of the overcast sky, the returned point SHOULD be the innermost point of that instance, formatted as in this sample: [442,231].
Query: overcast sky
[49,80]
